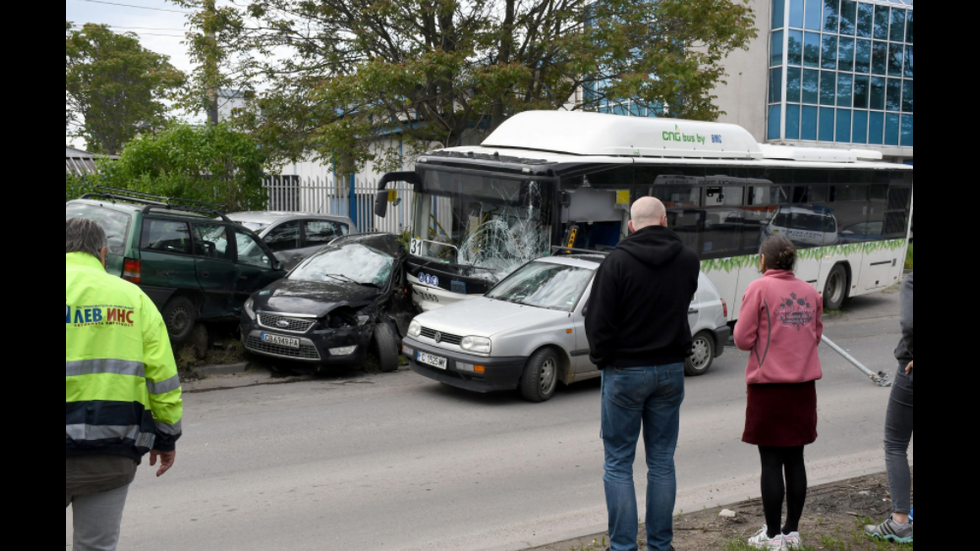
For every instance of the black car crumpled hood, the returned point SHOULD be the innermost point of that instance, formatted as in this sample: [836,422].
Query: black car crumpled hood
[313,298]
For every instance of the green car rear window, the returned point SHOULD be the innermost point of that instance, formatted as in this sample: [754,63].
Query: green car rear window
[114,223]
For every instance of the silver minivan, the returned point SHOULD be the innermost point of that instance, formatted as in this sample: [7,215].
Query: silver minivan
[528,332]
[293,236]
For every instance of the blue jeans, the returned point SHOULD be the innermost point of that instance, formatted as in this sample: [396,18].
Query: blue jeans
[647,399]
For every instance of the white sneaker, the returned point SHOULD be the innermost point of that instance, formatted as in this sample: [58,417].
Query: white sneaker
[762,540]
[793,541]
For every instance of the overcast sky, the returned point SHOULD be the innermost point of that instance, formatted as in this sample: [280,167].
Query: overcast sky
[159,31]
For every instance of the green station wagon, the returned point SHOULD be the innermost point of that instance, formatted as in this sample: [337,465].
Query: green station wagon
[195,263]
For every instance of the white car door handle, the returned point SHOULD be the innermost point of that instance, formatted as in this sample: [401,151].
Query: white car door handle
[693,311]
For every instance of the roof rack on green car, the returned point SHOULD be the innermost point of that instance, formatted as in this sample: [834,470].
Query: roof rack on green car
[157,202]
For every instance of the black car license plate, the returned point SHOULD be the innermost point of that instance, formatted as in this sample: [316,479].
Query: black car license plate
[288,342]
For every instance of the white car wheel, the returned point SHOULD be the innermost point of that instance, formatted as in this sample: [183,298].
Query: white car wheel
[540,379]
[704,355]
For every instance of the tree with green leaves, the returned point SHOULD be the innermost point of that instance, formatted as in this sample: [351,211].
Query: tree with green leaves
[114,88]
[337,74]
[214,163]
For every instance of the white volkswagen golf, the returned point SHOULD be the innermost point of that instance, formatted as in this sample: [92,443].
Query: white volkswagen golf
[528,333]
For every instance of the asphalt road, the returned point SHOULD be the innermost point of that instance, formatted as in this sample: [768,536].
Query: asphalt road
[396,462]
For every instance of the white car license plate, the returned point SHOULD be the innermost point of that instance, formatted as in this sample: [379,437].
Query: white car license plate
[288,342]
[434,361]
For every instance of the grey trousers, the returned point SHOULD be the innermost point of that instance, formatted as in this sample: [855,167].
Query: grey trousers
[97,519]
[898,436]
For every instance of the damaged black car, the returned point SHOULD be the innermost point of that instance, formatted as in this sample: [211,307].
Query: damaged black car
[337,307]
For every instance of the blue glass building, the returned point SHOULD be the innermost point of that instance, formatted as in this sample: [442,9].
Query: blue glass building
[841,72]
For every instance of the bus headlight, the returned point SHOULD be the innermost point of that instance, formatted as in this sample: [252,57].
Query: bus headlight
[249,305]
[414,330]
[478,345]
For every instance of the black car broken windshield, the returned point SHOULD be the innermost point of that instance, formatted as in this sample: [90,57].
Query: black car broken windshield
[351,263]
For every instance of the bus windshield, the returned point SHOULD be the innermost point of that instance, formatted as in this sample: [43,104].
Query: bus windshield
[485,226]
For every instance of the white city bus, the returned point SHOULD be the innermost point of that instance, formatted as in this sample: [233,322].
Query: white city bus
[547,179]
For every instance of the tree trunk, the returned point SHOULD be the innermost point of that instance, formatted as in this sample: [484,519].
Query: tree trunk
[506,50]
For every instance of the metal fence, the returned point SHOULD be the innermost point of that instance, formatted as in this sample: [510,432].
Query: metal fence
[341,197]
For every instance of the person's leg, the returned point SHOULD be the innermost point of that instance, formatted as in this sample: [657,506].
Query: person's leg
[97,520]
[898,435]
[622,413]
[796,487]
[773,488]
[661,428]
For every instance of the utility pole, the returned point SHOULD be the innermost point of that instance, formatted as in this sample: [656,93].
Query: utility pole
[211,76]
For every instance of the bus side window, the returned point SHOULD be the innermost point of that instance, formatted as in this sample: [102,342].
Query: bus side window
[723,225]
[682,197]
[686,223]
[760,206]
[876,216]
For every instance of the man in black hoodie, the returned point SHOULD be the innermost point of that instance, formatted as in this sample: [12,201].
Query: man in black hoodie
[639,334]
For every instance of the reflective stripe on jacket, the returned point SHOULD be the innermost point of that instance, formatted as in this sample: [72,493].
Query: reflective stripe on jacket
[122,392]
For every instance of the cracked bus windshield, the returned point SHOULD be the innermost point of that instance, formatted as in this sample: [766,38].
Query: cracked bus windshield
[486,226]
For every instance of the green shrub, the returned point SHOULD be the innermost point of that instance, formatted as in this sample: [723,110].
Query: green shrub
[76,186]
[908,259]
[214,164]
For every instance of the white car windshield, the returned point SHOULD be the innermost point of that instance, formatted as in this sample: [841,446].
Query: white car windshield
[544,285]
[348,264]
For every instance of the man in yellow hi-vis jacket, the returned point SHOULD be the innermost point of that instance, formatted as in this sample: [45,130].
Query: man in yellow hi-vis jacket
[122,393]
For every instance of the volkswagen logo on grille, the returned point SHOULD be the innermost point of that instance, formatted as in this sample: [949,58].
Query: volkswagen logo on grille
[283,324]
[438,337]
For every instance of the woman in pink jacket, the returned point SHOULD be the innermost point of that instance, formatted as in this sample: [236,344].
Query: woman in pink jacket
[780,325]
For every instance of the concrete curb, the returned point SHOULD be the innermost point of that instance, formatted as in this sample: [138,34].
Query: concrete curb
[212,370]
[234,376]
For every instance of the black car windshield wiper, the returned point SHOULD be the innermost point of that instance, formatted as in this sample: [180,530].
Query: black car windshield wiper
[341,277]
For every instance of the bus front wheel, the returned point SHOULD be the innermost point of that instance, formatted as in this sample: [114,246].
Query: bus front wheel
[835,290]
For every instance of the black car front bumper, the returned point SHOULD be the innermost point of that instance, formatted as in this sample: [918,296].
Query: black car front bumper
[314,346]
[500,373]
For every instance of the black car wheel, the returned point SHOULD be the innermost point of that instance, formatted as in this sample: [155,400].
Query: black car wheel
[386,348]
[180,315]
[540,379]
[704,355]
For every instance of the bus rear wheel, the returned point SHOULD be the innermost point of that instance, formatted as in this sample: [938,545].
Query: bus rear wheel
[835,291]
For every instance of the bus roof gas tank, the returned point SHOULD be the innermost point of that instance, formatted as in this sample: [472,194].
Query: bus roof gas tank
[818,154]
[595,134]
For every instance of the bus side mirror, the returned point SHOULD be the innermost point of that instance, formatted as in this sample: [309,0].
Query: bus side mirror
[381,204]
